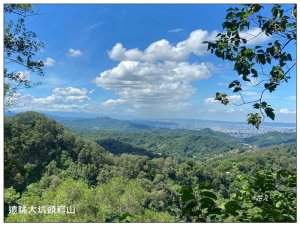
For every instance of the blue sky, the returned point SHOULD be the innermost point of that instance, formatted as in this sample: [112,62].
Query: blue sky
[139,61]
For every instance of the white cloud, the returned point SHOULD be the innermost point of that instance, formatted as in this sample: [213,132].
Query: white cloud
[74,52]
[61,99]
[69,91]
[255,36]
[232,98]
[211,110]
[175,30]
[64,95]
[24,75]
[145,84]
[160,75]
[231,110]
[18,100]
[211,100]
[112,102]
[49,62]
[163,50]
[286,111]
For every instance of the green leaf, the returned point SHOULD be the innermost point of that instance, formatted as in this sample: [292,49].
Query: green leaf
[256,106]
[254,119]
[278,204]
[254,73]
[271,86]
[270,113]
[231,85]
[245,78]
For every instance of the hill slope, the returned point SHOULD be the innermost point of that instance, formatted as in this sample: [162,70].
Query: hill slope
[272,138]
[199,145]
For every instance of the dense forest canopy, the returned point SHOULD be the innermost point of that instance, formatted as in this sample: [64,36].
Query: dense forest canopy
[47,164]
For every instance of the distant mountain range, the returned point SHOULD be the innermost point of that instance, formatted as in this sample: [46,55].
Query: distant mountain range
[121,136]
[144,136]
[102,123]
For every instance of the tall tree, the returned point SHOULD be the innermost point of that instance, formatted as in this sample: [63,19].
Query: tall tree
[262,66]
[20,48]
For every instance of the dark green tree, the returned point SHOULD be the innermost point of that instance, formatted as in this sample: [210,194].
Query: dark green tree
[265,67]
[20,48]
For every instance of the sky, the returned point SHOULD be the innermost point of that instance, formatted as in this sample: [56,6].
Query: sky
[140,61]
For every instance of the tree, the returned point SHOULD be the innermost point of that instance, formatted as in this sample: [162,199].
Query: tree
[266,67]
[20,47]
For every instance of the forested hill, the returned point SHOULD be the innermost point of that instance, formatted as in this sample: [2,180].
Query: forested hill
[200,145]
[272,138]
[120,136]
[47,164]
[102,123]
[32,141]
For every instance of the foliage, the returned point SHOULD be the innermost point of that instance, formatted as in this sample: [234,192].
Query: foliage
[132,188]
[272,138]
[265,197]
[269,66]
[32,141]
[20,48]
[183,144]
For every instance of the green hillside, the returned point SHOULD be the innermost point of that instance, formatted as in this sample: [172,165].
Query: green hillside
[272,138]
[103,123]
[46,164]
[184,144]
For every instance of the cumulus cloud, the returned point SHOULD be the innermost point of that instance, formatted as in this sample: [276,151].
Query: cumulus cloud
[24,75]
[61,99]
[64,95]
[232,98]
[286,111]
[145,83]
[211,100]
[112,102]
[163,50]
[255,36]
[49,62]
[160,74]
[74,52]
